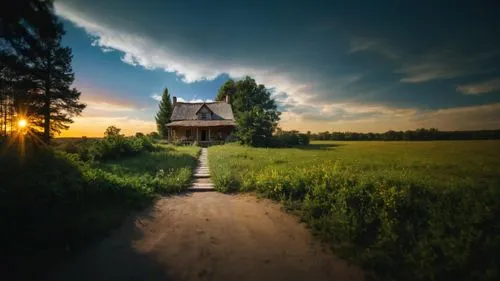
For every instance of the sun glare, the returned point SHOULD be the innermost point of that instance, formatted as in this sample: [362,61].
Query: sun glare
[22,123]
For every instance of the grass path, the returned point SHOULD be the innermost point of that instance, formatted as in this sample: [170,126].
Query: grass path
[209,236]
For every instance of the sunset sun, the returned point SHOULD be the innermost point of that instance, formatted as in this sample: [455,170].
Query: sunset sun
[22,123]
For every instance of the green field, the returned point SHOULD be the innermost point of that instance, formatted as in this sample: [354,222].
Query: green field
[403,210]
[441,162]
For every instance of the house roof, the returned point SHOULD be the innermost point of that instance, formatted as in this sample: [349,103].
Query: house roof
[203,106]
[202,123]
[187,111]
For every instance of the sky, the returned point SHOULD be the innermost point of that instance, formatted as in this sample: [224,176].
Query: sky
[365,66]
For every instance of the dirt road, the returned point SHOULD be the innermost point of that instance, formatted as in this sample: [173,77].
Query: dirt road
[209,236]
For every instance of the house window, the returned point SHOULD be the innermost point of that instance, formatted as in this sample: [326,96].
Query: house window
[188,133]
[203,116]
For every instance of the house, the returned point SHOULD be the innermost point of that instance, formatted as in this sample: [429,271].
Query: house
[205,122]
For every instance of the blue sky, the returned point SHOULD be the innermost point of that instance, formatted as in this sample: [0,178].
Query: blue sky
[357,66]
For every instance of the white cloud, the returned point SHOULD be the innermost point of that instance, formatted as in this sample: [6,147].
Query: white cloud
[145,52]
[489,86]
[156,97]
[139,50]
[195,100]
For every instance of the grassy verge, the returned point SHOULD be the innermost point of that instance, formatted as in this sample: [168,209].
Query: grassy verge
[53,204]
[405,210]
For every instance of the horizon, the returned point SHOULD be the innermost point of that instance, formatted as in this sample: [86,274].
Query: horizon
[331,67]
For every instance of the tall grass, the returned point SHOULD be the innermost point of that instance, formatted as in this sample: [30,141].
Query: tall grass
[54,204]
[414,211]
[166,170]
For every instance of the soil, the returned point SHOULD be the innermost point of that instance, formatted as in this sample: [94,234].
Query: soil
[209,236]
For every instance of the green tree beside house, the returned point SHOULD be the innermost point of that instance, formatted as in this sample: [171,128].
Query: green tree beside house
[256,113]
[164,113]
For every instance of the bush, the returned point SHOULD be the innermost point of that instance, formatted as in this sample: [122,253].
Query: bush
[289,139]
[154,136]
[112,148]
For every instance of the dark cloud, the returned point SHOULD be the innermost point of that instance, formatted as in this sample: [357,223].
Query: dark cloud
[399,55]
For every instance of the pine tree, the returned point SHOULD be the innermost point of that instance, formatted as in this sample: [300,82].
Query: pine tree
[164,113]
[24,27]
[53,102]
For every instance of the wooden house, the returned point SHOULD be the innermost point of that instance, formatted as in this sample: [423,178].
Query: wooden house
[205,122]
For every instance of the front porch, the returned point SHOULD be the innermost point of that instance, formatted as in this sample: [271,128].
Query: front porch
[203,135]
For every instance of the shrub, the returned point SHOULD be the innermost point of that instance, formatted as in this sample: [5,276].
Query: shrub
[154,136]
[112,147]
[288,139]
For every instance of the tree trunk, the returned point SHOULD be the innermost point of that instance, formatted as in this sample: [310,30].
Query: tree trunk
[46,115]
[5,116]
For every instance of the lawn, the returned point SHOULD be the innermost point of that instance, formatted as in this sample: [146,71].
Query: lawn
[403,210]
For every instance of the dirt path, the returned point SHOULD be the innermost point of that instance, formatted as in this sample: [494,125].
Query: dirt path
[210,236]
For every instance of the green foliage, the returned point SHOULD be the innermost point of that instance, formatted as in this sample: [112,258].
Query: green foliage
[164,114]
[255,127]
[112,132]
[418,135]
[255,112]
[289,138]
[223,180]
[154,135]
[228,88]
[56,204]
[405,211]
[113,146]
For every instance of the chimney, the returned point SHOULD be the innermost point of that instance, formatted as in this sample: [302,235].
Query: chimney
[227,98]
[174,100]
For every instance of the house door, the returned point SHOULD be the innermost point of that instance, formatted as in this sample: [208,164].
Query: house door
[204,135]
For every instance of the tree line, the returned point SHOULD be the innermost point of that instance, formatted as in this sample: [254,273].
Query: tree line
[409,135]
[36,76]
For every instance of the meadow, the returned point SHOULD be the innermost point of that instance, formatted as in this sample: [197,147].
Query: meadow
[58,200]
[402,210]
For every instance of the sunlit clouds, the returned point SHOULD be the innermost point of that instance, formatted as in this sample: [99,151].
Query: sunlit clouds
[329,69]
[489,86]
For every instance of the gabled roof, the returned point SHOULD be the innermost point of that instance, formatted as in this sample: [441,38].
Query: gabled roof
[202,123]
[187,111]
[202,106]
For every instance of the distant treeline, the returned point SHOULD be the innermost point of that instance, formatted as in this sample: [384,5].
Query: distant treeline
[419,134]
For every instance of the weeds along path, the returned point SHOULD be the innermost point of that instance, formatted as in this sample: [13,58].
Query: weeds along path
[209,236]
